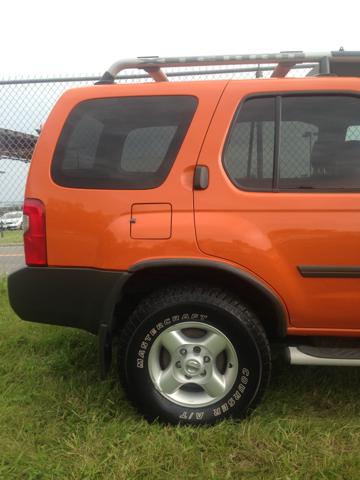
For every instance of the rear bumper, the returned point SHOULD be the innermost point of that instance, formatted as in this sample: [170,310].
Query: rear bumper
[72,297]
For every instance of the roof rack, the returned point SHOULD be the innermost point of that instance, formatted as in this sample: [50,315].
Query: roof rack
[285,61]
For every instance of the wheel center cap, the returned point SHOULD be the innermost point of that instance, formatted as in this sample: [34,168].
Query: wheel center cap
[192,367]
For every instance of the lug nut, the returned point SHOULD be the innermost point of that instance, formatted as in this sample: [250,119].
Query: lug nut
[187,377]
[203,373]
[206,359]
[183,351]
[197,350]
[178,365]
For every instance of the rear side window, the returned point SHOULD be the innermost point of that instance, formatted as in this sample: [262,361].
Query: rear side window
[121,143]
[145,149]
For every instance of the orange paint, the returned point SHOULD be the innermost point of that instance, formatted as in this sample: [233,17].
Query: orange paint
[266,234]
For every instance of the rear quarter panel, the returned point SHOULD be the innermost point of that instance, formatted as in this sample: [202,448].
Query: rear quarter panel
[91,228]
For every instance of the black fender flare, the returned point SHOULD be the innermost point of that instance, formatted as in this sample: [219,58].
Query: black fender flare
[106,330]
[235,271]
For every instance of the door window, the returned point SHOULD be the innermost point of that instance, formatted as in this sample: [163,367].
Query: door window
[249,157]
[318,138]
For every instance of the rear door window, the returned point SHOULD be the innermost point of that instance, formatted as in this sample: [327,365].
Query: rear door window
[249,157]
[295,142]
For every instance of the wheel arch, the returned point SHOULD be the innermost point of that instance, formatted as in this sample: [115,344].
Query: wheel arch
[151,274]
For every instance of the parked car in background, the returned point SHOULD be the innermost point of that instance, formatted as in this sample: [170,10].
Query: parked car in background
[11,221]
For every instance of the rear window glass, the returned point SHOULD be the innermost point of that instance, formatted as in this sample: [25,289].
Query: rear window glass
[121,143]
[145,148]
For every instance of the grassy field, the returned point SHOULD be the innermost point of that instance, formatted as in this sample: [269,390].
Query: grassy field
[12,236]
[58,421]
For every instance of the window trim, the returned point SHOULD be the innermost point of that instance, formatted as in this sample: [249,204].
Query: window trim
[278,96]
[277,144]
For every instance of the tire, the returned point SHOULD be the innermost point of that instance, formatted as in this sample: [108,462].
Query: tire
[192,354]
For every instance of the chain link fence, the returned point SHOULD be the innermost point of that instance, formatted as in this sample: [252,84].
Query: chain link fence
[25,106]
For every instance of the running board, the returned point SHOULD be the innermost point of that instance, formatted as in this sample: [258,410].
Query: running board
[303,355]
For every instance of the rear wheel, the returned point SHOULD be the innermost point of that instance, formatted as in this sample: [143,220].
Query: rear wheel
[193,354]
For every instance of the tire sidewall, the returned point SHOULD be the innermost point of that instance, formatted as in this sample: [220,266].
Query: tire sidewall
[234,325]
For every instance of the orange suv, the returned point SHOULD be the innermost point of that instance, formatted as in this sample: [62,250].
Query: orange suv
[197,220]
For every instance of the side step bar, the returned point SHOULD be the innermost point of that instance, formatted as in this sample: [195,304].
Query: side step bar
[304,355]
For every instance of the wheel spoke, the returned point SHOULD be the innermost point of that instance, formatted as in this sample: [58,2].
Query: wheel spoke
[214,343]
[167,382]
[216,386]
[173,340]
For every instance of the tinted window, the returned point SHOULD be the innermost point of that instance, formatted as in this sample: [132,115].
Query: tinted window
[297,141]
[249,155]
[145,149]
[121,143]
[320,146]
[81,149]
[319,140]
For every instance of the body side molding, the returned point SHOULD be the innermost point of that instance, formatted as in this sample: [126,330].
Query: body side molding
[329,271]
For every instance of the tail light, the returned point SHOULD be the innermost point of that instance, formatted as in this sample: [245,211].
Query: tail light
[34,233]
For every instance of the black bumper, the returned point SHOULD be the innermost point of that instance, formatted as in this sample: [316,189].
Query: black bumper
[70,297]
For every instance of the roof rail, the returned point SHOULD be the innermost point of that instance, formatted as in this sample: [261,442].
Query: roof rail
[284,60]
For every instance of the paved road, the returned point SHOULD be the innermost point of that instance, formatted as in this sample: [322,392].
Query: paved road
[10,258]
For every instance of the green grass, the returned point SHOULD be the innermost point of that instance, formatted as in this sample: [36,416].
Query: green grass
[58,421]
[11,236]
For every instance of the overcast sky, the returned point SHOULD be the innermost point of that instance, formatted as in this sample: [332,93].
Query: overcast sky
[84,37]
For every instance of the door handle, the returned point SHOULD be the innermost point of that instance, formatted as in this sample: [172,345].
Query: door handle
[201,177]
